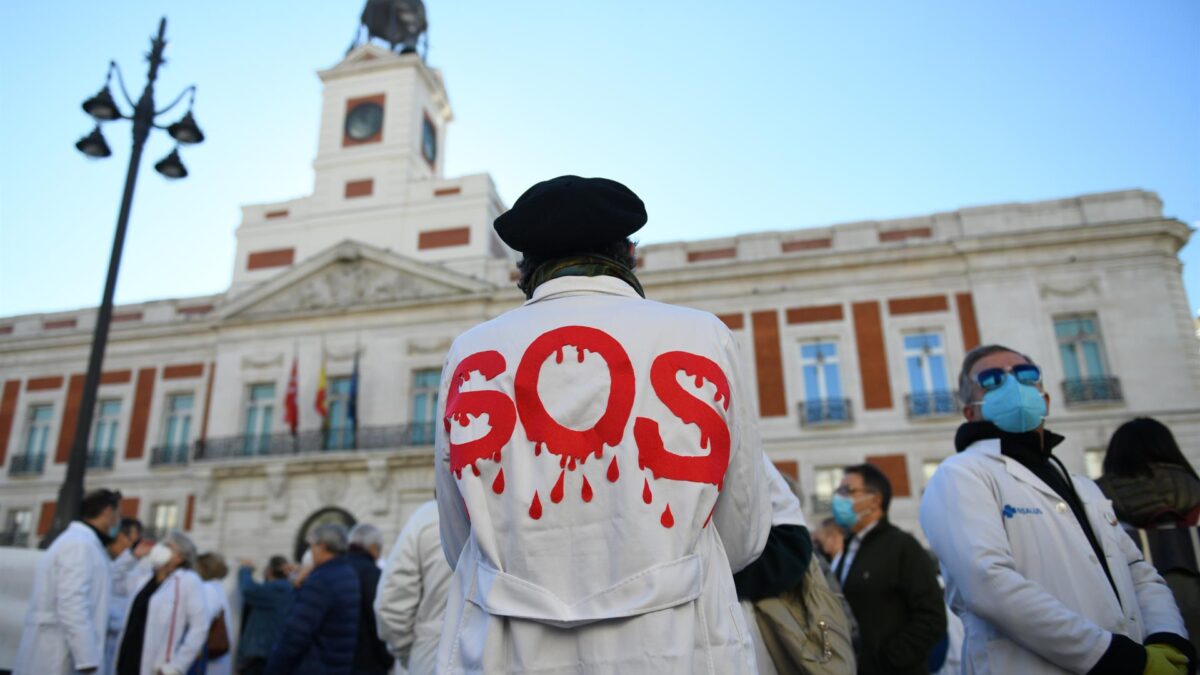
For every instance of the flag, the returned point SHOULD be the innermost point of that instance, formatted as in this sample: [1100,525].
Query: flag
[322,405]
[352,403]
[291,404]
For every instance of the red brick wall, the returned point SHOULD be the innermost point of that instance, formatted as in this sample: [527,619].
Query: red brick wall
[918,305]
[768,363]
[895,467]
[733,321]
[712,254]
[966,319]
[360,188]
[8,410]
[455,236]
[814,314]
[66,431]
[872,356]
[45,519]
[259,260]
[805,245]
[44,383]
[143,396]
[183,371]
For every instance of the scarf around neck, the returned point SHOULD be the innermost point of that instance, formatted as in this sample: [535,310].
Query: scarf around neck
[589,265]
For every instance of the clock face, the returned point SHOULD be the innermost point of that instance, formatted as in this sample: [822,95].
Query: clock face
[429,141]
[364,121]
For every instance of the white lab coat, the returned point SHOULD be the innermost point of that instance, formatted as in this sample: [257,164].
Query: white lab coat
[1020,572]
[177,622]
[624,556]
[128,575]
[411,598]
[218,601]
[67,620]
[785,510]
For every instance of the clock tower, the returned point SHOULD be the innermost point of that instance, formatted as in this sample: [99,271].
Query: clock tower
[378,178]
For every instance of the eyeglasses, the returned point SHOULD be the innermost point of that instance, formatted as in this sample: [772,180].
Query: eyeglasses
[992,378]
[846,491]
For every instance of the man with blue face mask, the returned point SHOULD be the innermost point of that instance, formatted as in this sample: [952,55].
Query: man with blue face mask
[1035,563]
[887,577]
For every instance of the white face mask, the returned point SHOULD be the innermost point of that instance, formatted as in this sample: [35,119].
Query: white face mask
[160,555]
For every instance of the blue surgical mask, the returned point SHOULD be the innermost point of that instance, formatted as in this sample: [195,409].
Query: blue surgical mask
[843,511]
[1014,407]
[114,531]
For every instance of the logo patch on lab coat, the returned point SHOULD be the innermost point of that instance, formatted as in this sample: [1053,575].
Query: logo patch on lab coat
[1010,511]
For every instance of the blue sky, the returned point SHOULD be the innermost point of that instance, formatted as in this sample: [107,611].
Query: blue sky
[725,117]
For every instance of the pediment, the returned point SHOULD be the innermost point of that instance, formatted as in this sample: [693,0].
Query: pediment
[350,275]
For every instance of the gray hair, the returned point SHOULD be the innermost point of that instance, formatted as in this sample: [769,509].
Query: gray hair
[330,535]
[366,535]
[966,383]
[182,545]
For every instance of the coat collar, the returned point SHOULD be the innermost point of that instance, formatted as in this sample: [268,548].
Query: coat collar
[574,285]
[990,448]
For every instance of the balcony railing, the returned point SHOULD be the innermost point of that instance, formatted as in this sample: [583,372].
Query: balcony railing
[315,442]
[14,538]
[26,465]
[169,455]
[101,459]
[932,404]
[1093,390]
[825,411]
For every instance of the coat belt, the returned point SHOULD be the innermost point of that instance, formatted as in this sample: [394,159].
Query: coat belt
[655,588]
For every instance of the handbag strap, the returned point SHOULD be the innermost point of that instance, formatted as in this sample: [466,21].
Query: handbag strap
[174,612]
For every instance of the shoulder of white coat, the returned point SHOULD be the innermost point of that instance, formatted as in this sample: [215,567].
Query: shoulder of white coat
[1087,488]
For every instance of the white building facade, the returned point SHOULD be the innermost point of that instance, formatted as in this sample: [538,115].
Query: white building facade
[854,333]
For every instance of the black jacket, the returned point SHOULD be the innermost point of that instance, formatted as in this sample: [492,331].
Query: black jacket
[892,588]
[371,656]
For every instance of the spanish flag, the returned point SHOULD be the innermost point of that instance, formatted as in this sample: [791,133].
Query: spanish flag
[322,405]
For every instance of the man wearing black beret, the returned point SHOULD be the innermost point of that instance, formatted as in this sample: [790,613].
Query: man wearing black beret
[599,473]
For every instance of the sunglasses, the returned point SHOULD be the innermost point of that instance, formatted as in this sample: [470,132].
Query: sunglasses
[1025,373]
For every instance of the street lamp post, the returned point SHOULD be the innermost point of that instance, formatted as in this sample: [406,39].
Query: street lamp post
[103,108]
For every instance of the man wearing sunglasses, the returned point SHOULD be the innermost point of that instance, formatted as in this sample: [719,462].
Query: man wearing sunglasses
[1035,563]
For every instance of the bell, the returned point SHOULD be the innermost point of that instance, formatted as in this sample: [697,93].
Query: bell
[171,166]
[102,107]
[93,145]
[186,131]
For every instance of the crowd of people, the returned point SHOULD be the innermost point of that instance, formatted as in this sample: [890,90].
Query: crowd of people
[108,600]
[696,557]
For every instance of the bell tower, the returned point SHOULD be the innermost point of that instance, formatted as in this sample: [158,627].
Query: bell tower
[378,177]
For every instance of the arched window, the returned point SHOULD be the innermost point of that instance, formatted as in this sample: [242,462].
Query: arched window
[328,515]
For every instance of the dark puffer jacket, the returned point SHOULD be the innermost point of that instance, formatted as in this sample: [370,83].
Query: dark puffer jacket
[1169,493]
[322,631]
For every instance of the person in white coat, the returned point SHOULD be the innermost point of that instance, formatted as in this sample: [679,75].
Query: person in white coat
[130,569]
[411,599]
[166,624]
[1035,564]
[68,614]
[599,473]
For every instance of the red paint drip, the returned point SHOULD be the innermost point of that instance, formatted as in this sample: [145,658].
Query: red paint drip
[498,484]
[571,464]
[646,494]
[535,509]
[562,462]
[667,519]
[709,518]
[579,354]
[556,495]
[558,355]
[613,472]
[474,469]
[586,492]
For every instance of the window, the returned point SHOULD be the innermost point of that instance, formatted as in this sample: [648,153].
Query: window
[925,359]
[176,431]
[164,517]
[1093,462]
[260,410]
[927,468]
[16,531]
[424,404]
[38,430]
[1084,365]
[823,401]
[825,482]
[104,434]
[339,432]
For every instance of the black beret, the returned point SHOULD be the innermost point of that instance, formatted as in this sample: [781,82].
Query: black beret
[568,214]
